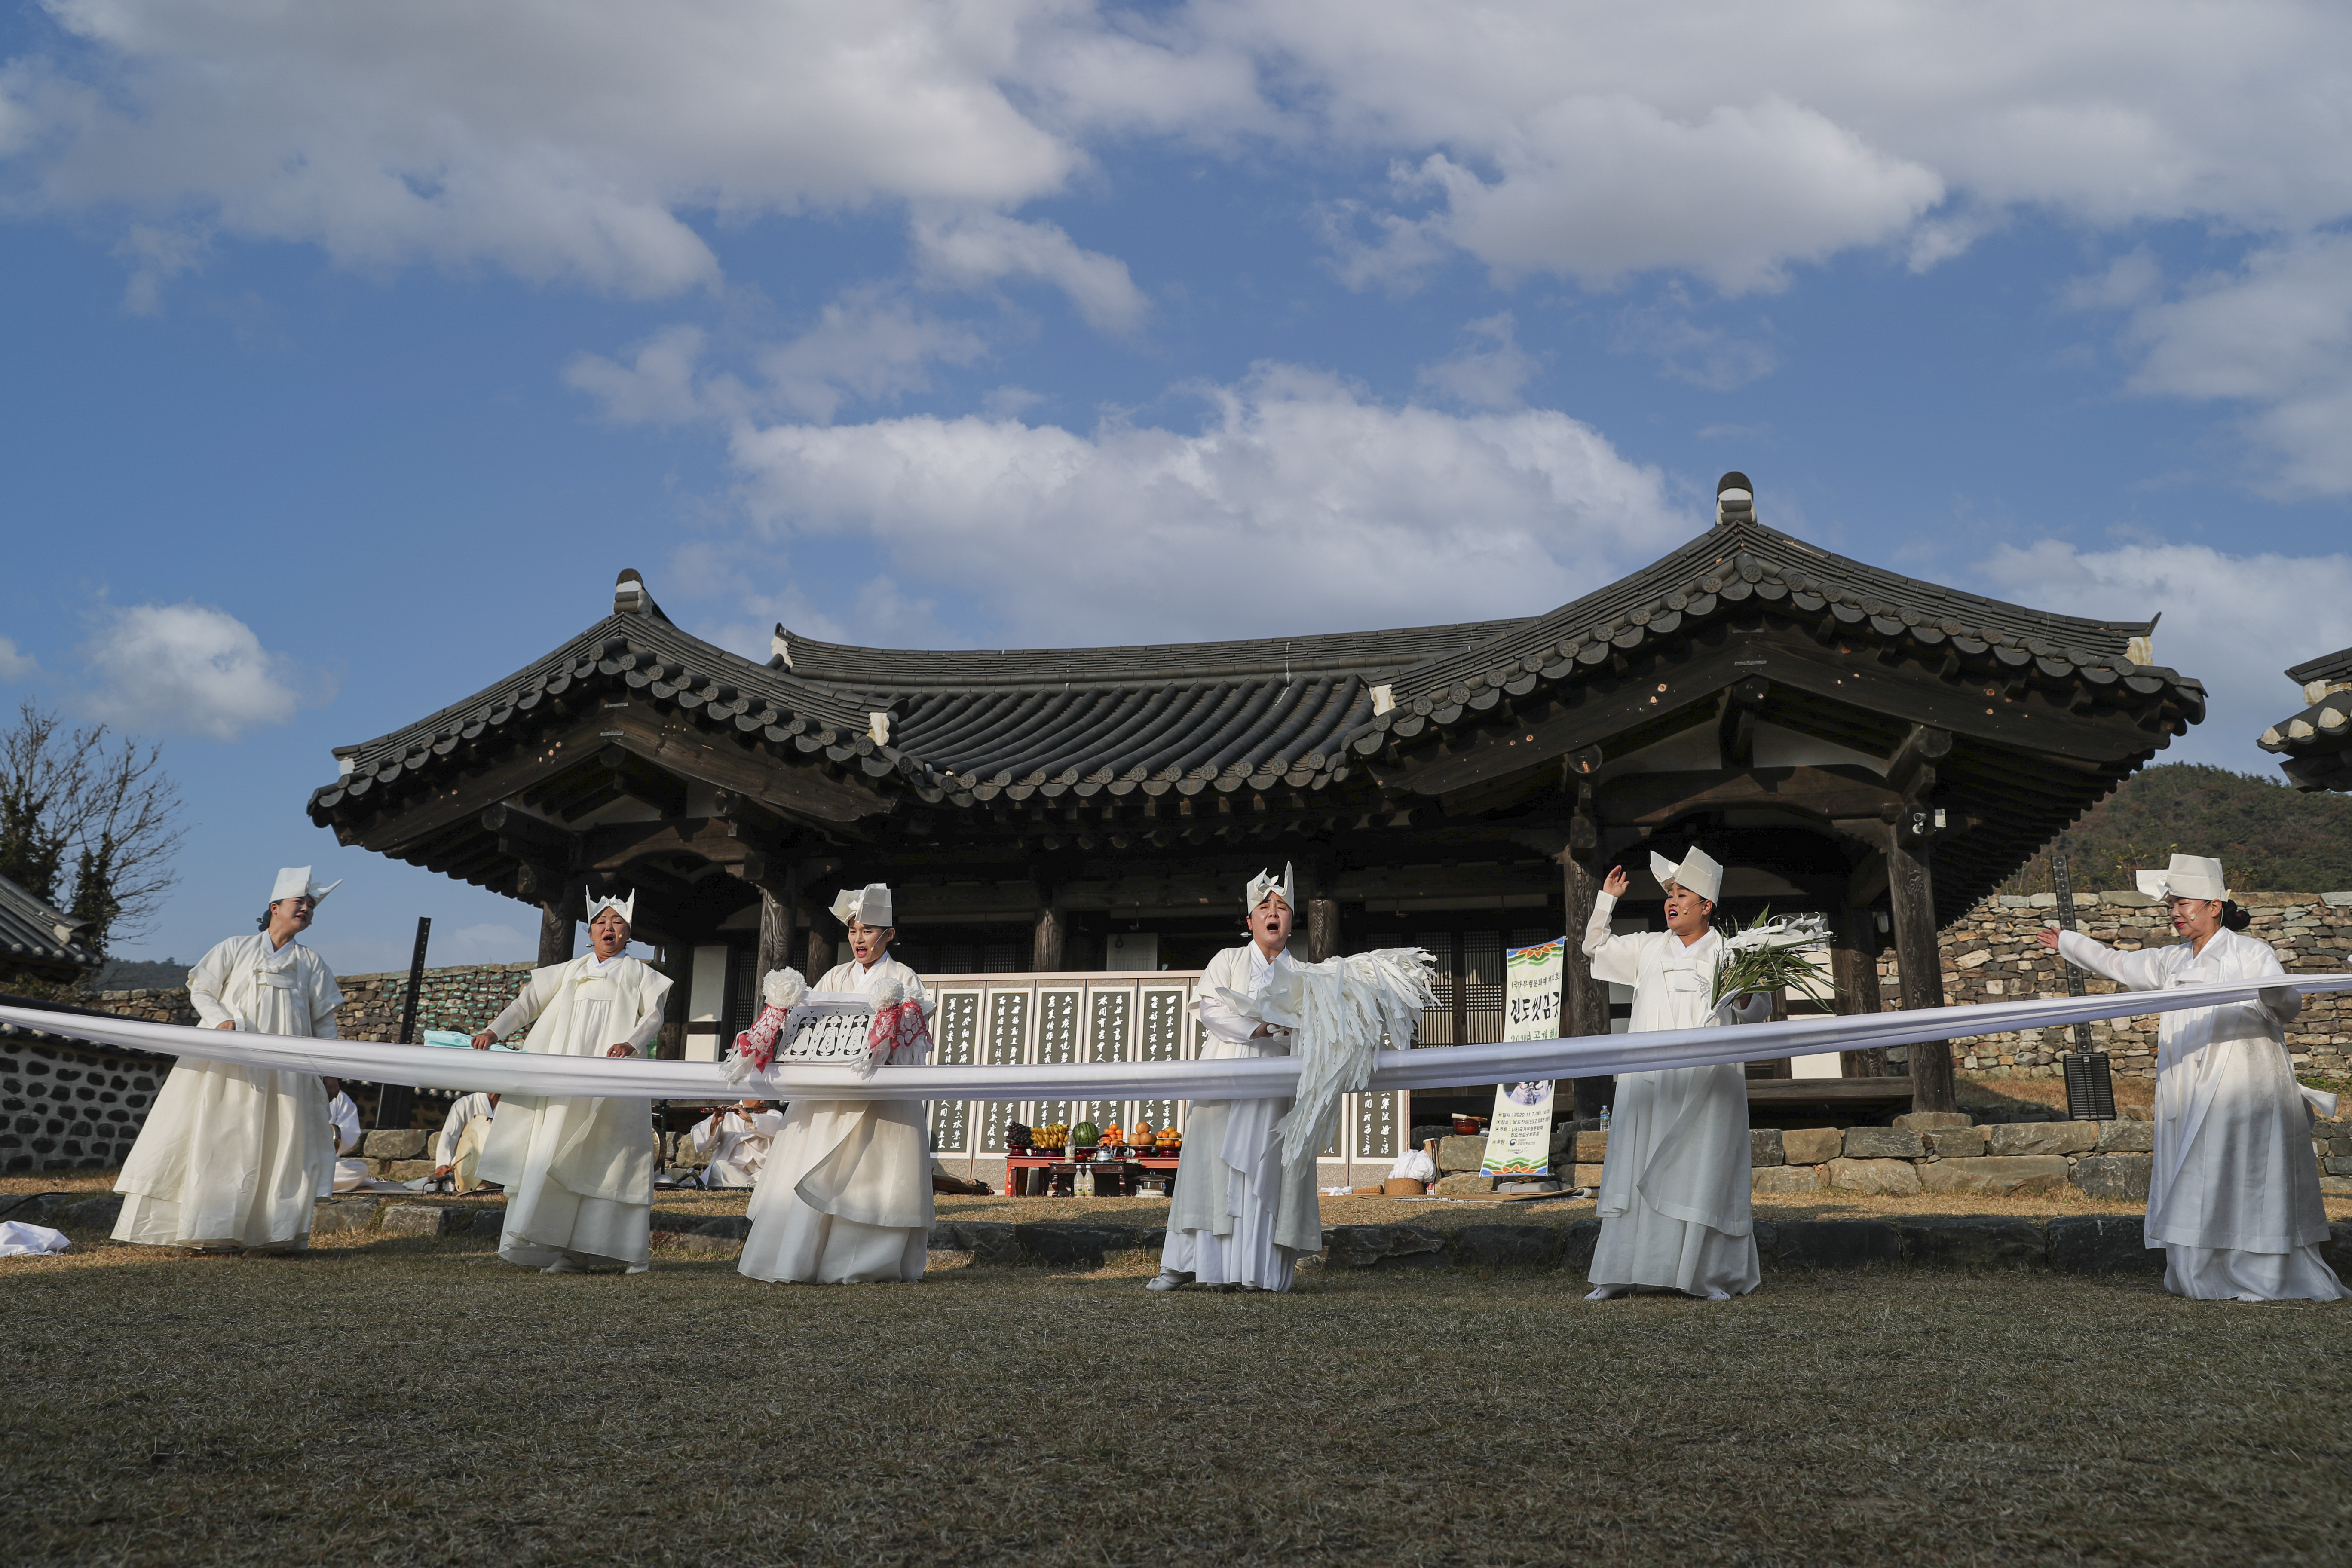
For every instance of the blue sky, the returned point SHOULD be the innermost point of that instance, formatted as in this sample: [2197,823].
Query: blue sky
[352,350]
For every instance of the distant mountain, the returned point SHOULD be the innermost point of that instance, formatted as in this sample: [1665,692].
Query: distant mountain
[141,974]
[2268,835]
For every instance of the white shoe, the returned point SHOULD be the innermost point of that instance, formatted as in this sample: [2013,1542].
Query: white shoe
[1715,1295]
[565,1265]
[1167,1279]
[1609,1292]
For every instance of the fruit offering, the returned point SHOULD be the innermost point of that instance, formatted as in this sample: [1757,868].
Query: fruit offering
[1142,1136]
[1110,1134]
[1085,1136]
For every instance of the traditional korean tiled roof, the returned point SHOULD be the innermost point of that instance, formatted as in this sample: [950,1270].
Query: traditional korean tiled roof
[2317,743]
[36,931]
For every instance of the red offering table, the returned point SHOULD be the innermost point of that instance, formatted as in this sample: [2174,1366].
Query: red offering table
[1066,1177]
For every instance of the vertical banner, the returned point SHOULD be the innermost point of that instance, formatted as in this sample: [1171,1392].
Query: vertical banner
[1518,1136]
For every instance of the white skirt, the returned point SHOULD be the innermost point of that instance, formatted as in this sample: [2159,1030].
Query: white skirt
[2219,1274]
[845,1197]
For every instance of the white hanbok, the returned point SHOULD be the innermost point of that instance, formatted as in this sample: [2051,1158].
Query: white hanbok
[845,1195]
[345,1174]
[737,1145]
[578,1171]
[237,1156]
[464,1130]
[1240,1215]
[1674,1185]
[2233,1195]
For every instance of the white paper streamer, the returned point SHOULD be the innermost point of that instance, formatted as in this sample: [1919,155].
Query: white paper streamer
[1261,1077]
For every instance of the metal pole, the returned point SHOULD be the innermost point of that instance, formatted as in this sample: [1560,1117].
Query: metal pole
[2061,880]
[397,1102]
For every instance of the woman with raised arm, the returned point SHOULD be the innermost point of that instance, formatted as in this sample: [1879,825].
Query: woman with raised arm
[845,1195]
[2233,1193]
[1675,1184]
[579,1170]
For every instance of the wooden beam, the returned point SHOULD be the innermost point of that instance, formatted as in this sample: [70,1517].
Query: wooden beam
[779,922]
[1911,890]
[1584,1001]
[1911,771]
[1735,727]
[1052,926]
[1651,800]
[1853,972]
[794,790]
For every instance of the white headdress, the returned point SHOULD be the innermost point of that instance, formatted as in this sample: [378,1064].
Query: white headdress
[294,882]
[868,905]
[626,908]
[1698,872]
[2188,877]
[1262,884]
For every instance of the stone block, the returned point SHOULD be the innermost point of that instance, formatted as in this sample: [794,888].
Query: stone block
[1588,1175]
[1462,1185]
[2336,1250]
[1888,1178]
[988,1241]
[1069,1244]
[1384,1247]
[2123,1177]
[1884,1143]
[2101,1244]
[1837,1243]
[1933,1120]
[489,1221]
[1974,1242]
[2000,1177]
[1591,1148]
[2336,1186]
[2009,1138]
[404,1170]
[32,1208]
[2337,1166]
[1764,1147]
[423,1219]
[88,1213]
[2126,1138]
[1460,1153]
[1578,1242]
[1955,1142]
[394,1143]
[1812,1146]
[345,1215]
[734,1226]
[1505,1246]
[1784,1181]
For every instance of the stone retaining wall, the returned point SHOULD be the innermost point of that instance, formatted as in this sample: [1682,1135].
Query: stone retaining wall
[67,1106]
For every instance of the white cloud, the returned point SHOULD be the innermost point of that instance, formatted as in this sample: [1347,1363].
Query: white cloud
[1710,357]
[1490,371]
[1298,503]
[2275,335]
[656,388]
[15,664]
[187,669]
[970,249]
[156,257]
[2222,623]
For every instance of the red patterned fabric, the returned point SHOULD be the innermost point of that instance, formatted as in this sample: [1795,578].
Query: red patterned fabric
[756,1045]
[900,1035]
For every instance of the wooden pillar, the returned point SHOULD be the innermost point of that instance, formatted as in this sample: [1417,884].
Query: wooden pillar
[1322,929]
[1046,948]
[1911,889]
[1853,971]
[780,906]
[559,929]
[820,942]
[1584,1001]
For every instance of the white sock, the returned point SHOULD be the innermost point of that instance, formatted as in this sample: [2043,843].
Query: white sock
[1608,1292]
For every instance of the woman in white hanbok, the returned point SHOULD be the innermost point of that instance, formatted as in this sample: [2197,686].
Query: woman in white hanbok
[2233,1193]
[1240,1216]
[845,1195]
[234,1157]
[579,1170]
[1675,1184]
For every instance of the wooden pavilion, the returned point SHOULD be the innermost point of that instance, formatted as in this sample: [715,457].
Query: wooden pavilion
[1843,738]
[2316,745]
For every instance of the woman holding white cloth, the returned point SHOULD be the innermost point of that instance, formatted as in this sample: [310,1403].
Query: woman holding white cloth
[2233,1193]
[1675,1205]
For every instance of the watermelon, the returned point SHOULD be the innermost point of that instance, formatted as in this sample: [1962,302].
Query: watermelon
[1085,1136]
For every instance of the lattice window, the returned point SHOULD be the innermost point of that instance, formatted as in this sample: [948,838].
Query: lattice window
[1376,1125]
[999,958]
[1008,1027]
[956,1029]
[741,1005]
[1437,1023]
[1057,1027]
[959,958]
[1481,985]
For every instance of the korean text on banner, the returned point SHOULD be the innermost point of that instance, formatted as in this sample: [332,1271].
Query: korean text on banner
[1518,1138]
[1531,979]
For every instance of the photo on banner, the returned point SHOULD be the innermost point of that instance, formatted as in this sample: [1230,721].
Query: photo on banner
[1518,1135]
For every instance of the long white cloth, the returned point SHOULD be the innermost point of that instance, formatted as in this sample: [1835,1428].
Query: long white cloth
[236,1152]
[845,1195]
[1242,1214]
[1236,1078]
[578,1169]
[1673,1203]
[737,1145]
[2233,1195]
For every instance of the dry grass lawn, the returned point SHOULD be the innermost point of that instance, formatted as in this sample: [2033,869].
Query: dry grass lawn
[414,1402]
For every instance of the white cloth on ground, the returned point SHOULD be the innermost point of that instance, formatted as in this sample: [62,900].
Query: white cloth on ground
[577,1172]
[343,1120]
[844,1196]
[1674,1185]
[2233,1193]
[237,1156]
[1240,1215]
[737,1145]
[21,1238]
